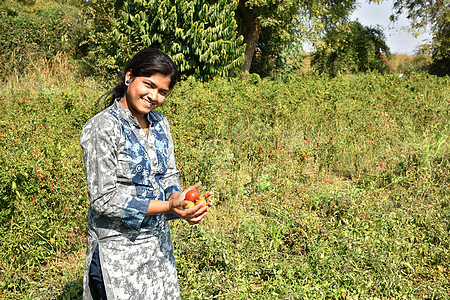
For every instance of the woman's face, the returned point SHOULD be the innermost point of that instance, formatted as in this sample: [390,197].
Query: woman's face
[145,93]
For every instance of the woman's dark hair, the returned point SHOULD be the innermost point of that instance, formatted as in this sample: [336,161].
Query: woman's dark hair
[147,62]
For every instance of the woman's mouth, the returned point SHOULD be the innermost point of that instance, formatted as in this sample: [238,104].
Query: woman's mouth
[147,102]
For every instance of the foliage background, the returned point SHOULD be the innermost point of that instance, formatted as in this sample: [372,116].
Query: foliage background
[434,16]
[352,48]
[26,37]
[323,188]
[201,37]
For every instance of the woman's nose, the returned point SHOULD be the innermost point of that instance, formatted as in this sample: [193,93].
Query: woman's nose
[153,93]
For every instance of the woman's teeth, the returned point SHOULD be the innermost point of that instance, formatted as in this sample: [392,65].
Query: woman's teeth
[147,102]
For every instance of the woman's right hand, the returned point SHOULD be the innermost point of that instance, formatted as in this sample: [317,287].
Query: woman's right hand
[193,215]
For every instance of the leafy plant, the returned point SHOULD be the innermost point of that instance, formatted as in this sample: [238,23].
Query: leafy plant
[346,177]
[201,37]
[27,37]
[352,48]
[277,233]
[434,16]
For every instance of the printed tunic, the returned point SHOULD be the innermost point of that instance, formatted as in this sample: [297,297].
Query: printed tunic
[124,171]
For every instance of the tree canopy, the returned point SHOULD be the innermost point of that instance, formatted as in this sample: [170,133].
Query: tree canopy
[269,26]
[352,48]
[201,37]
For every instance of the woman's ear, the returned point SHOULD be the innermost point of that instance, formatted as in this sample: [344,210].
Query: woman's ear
[128,77]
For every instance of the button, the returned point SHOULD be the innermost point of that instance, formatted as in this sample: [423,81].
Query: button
[155,163]
[138,168]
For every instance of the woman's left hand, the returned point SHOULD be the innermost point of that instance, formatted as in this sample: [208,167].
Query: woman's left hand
[193,215]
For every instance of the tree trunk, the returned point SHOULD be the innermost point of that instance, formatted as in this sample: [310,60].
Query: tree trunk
[252,36]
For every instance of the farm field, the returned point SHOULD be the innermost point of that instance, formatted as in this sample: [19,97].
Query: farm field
[323,187]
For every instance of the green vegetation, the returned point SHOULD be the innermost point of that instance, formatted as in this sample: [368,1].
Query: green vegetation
[27,37]
[42,193]
[435,17]
[405,64]
[205,37]
[323,188]
[201,37]
[350,49]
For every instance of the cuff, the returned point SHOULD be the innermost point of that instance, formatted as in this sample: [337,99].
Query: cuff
[134,212]
[171,190]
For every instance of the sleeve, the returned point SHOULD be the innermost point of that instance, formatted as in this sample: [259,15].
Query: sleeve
[100,143]
[171,178]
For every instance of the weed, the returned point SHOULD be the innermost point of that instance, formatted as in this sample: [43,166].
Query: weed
[277,234]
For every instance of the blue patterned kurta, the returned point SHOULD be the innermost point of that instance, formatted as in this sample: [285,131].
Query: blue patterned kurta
[124,171]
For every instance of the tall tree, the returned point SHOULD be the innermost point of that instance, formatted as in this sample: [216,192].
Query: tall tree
[352,48]
[271,25]
[279,16]
[201,37]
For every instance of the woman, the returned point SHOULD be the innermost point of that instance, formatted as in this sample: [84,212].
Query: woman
[134,188]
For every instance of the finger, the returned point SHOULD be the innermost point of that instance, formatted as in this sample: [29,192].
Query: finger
[195,186]
[197,219]
[195,211]
[189,213]
[200,211]
[207,194]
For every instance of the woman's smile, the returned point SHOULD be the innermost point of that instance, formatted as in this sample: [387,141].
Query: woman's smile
[147,102]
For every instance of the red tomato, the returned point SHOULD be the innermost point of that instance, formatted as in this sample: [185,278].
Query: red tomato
[192,195]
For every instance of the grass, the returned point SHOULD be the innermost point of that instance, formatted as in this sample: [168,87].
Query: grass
[403,63]
[323,188]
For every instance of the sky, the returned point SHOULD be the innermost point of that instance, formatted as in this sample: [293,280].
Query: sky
[398,39]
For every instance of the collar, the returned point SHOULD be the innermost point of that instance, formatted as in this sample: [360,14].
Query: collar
[124,113]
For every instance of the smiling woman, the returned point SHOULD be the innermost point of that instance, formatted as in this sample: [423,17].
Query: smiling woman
[144,94]
[134,187]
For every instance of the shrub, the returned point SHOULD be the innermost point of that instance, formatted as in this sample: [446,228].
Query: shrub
[42,193]
[351,48]
[406,64]
[26,37]
[200,36]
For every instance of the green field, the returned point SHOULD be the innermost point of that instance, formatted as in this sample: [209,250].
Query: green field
[324,188]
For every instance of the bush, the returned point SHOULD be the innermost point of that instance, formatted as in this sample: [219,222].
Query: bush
[406,64]
[200,36]
[26,37]
[42,192]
